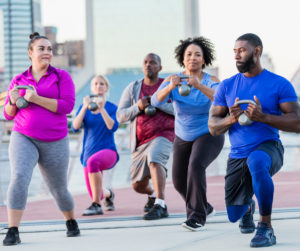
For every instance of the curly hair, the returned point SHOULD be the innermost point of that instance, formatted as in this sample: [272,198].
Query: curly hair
[205,44]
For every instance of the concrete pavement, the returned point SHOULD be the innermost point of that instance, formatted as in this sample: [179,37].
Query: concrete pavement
[43,229]
[132,233]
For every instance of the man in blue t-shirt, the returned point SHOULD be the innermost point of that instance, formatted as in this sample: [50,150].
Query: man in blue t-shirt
[256,150]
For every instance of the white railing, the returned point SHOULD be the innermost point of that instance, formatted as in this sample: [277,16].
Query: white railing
[121,138]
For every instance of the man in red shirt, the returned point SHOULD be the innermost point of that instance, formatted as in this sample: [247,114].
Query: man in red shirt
[151,137]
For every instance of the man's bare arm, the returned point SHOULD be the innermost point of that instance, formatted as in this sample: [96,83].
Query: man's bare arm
[219,122]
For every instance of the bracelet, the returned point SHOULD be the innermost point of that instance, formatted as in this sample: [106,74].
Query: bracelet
[11,103]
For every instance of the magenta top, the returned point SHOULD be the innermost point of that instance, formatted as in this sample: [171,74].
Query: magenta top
[36,121]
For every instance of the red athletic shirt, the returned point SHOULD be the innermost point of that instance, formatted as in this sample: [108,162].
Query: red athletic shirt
[150,127]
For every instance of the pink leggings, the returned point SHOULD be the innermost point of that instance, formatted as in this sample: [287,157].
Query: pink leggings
[98,162]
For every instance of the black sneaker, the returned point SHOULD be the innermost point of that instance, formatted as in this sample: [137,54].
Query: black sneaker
[210,211]
[264,236]
[109,202]
[149,204]
[247,225]
[157,212]
[72,228]
[193,225]
[12,237]
[94,209]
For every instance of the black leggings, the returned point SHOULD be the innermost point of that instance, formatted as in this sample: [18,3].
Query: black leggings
[190,160]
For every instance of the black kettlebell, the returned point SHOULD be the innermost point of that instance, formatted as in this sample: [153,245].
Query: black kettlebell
[21,103]
[150,110]
[243,118]
[184,90]
[92,105]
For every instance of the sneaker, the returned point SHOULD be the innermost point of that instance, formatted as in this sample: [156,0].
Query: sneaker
[72,228]
[247,225]
[12,237]
[94,209]
[264,236]
[210,211]
[149,204]
[109,202]
[157,212]
[193,225]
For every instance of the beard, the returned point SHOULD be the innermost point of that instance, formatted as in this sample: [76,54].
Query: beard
[151,74]
[247,65]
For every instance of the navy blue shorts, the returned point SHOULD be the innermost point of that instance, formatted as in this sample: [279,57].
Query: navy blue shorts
[238,181]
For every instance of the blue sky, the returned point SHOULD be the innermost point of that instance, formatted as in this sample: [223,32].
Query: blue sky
[222,21]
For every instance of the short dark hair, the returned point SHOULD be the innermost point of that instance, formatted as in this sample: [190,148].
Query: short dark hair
[35,36]
[205,44]
[156,56]
[253,39]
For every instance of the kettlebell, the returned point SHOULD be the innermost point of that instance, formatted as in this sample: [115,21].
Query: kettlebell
[92,105]
[150,110]
[21,103]
[243,118]
[184,90]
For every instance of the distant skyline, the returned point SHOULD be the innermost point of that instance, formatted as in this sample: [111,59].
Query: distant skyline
[275,21]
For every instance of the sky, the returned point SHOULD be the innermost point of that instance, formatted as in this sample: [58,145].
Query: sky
[222,21]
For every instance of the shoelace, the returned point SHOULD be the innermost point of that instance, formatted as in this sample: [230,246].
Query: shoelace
[261,231]
[11,232]
[150,202]
[246,218]
[72,225]
[94,205]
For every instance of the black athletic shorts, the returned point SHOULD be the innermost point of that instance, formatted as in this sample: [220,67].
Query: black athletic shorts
[238,182]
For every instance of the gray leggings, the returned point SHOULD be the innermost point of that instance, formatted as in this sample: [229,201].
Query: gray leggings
[53,160]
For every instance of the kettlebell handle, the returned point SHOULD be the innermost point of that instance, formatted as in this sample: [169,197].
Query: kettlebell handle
[245,101]
[244,120]
[184,77]
[185,84]
[21,103]
[19,87]
[94,95]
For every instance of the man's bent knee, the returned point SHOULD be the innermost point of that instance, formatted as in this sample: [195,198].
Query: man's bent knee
[140,186]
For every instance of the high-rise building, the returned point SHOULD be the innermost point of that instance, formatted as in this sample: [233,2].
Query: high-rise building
[296,81]
[191,14]
[266,62]
[121,33]
[21,18]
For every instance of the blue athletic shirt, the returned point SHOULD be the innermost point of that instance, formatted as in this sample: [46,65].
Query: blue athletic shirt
[191,112]
[271,90]
[96,135]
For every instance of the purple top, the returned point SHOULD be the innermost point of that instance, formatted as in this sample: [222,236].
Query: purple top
[36,121]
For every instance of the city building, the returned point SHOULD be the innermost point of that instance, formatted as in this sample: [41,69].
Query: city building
[20,19]
[68,55]
[266,62]
[191,18]
[120,33]
[296,81]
